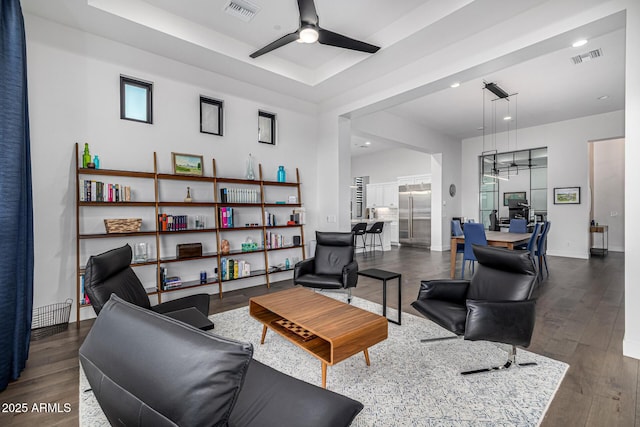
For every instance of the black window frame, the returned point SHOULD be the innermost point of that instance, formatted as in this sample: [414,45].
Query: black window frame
[220,104]
[148,86]
[272,118]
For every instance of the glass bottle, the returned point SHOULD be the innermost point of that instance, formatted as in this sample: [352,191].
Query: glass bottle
[282,175]
[250,174]
[96,161]
[86,157]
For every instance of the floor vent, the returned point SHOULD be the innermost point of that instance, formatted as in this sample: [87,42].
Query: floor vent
[241,9]
[579,59]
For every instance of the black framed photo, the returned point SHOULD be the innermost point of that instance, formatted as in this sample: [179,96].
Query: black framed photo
[518,195]
[266,128]
[136,100]
[566,196]
[211,115]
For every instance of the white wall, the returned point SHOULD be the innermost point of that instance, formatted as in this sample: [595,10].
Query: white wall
[74,96]
[388,165]
[608,191]
[568,166]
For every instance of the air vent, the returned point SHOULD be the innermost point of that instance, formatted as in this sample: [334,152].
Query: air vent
[587,56]
[241,9]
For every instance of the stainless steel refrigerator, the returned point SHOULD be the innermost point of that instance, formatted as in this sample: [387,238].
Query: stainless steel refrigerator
[415,215]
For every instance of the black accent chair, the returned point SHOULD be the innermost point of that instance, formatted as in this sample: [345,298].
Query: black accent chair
[146,369]
[332,267]
[111,273]
[376,229]
[495,305]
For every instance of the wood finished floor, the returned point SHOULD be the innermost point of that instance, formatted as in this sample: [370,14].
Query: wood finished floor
[579,320]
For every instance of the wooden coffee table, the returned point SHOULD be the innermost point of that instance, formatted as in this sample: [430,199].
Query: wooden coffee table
[340,329]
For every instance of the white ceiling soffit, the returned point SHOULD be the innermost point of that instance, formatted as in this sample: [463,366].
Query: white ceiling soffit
[203,23]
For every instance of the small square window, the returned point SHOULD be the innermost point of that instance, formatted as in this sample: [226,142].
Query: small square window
[211,116]
[136,100]
[266,128]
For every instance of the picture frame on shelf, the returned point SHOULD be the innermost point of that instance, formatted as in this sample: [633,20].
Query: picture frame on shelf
[516,195]
[266,127]
[187,164]
[566,196]
[211,116]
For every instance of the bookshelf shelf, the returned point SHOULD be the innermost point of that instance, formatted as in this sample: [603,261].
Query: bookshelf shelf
[215,205]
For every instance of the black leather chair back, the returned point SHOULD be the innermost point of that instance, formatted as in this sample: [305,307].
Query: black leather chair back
[111,273]
[503,275]
[334,250]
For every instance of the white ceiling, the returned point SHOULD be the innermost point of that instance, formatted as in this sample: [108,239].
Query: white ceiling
[198,32]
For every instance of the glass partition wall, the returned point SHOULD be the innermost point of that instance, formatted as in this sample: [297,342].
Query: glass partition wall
[515,175]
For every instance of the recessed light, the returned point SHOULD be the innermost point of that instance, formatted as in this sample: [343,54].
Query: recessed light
[456,84]
[367,143]
[480,128]
[507,118]
[579,43]
[603,97]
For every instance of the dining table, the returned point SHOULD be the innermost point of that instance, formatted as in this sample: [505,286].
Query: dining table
[494,238]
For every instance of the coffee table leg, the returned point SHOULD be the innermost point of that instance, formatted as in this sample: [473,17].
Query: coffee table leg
[366,356]
[264,334]
[324,375]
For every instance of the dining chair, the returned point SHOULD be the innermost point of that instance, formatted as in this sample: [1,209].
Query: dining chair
[531,244]
[517,225]
[473,235]
[541,250]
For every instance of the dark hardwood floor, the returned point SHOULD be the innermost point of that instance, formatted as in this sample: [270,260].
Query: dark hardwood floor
[580,320]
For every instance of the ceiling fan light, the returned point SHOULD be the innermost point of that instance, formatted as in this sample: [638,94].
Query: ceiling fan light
[309,35]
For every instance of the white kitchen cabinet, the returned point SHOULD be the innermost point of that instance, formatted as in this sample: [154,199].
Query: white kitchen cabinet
[384,194]
[414,179]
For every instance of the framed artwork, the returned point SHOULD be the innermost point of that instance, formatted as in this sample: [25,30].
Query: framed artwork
[519,195]
[186,164]
[566,196]
[136,98]
[211,116]
[266,128]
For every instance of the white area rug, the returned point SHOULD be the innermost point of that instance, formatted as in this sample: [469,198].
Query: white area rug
[409,383]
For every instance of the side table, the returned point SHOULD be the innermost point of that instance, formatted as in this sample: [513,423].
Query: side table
[384,275]
[604,231]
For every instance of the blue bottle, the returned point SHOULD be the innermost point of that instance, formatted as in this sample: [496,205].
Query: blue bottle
[282,175]
[96,161]
[287,264]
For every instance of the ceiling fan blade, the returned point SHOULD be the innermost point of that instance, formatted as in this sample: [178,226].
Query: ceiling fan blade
[308,14]
[276,44]
[334,39]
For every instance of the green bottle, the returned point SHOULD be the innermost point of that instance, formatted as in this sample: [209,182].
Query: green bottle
[86,157]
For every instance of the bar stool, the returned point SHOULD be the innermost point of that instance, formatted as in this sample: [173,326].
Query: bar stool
[359,229]
[376,228]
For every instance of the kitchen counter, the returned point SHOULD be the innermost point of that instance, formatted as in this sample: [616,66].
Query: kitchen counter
[386,233]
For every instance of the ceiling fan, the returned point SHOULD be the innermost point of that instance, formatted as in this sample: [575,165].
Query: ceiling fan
[311,32]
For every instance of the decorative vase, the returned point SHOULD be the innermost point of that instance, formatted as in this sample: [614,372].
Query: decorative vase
[250,174]
[282,175]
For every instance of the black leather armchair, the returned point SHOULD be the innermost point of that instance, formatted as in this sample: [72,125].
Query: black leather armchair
[149,370]
[332,267]
[495,305]
[111,273]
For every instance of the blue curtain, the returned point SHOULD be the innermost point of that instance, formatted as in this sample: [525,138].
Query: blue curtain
[16,206]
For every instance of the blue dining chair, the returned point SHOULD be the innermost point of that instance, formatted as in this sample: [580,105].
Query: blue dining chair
[531,244]
[541,250]
[473,235]
[518,226]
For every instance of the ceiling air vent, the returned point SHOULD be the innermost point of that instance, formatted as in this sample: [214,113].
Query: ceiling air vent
[587,56]
[241,9]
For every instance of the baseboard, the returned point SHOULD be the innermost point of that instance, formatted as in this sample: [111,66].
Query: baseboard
[438,248]
[569,254]
[631,348]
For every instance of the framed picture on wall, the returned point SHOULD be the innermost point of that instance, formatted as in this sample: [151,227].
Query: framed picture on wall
[566,196]
[519,195]
[186,164]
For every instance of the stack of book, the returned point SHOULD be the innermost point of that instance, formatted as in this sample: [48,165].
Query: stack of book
[168,222]
[274,240]
[234,268]
[172,283]
[239,195]
[98,191]
[226,217]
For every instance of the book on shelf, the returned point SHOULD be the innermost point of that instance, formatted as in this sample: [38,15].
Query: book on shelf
[98,191]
